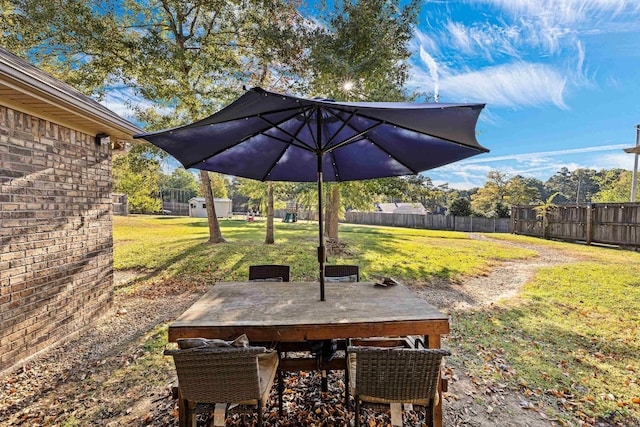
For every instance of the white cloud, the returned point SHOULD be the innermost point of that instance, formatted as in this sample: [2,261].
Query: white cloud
[581,56]
[419,79]
[566,11]
[462,176]
[518,33]
[460,185]
[613,161]
[433,72]
[459,36]
[424,41]
[541,165]
[510,85]
[548,22]
[490,118]
[545,154]
[489,40]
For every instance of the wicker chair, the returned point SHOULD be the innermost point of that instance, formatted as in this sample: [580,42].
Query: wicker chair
[342,271]
[395,375]
[270,271]
[209,376]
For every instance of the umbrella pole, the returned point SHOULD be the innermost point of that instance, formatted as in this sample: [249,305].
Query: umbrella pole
[321,249]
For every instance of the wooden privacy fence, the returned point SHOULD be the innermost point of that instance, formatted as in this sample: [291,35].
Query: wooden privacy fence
[302,214]
[430,221]
[605,223]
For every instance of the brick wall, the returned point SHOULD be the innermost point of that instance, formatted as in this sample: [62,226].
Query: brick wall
[56,256]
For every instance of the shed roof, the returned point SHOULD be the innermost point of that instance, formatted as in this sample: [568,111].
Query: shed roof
[390,207]
[202,199]
[26,88]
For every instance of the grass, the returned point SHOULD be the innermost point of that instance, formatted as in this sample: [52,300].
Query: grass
[572,337]
[570,340]
[177,247]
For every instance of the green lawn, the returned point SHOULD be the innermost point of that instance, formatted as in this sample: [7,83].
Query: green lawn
[571,340]
[177,246]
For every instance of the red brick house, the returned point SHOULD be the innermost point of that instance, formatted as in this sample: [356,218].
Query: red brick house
[56,255]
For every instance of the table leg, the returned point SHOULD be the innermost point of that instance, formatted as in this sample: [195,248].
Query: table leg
[184,412]
[280,390]
[433,341]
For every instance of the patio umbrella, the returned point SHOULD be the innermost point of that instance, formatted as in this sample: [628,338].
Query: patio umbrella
[273,137]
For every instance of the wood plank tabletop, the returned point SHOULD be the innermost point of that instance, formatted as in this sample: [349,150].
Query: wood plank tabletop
[292,311]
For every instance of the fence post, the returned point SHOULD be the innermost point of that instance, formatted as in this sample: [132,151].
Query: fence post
[589,223]
[512,223]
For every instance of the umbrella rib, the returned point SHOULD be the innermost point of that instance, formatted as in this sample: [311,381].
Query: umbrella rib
[264,178]
[259,115]
[362,134]
[215,153]
[201,125]
[425,133]
[292,136]
[308,123]
[415,172]
[335,166]
[283,110]
[344,124]
[355,137]
[295,138]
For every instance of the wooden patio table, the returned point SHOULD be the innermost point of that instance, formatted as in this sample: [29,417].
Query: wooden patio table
[293,312]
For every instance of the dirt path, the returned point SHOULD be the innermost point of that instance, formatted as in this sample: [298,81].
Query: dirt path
[468,403]
[52,389]
[504,281]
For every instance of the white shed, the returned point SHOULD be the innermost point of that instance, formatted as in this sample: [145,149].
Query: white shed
[198,207]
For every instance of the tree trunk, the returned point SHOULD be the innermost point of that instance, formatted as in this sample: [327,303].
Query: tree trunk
[333,213]
[327,214]
[215,236]
[270,240]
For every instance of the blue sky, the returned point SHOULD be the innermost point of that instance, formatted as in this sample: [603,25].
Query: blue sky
[561,80]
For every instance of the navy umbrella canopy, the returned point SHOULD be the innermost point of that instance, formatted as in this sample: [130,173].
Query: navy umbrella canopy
[272,137]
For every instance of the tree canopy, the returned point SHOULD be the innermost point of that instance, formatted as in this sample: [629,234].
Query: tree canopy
[181,179]
[138,176]
[614,186]
[178,61]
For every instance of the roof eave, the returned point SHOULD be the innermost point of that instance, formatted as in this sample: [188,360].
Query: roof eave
[28,80]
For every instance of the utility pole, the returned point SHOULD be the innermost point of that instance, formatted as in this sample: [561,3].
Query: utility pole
[634,150]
